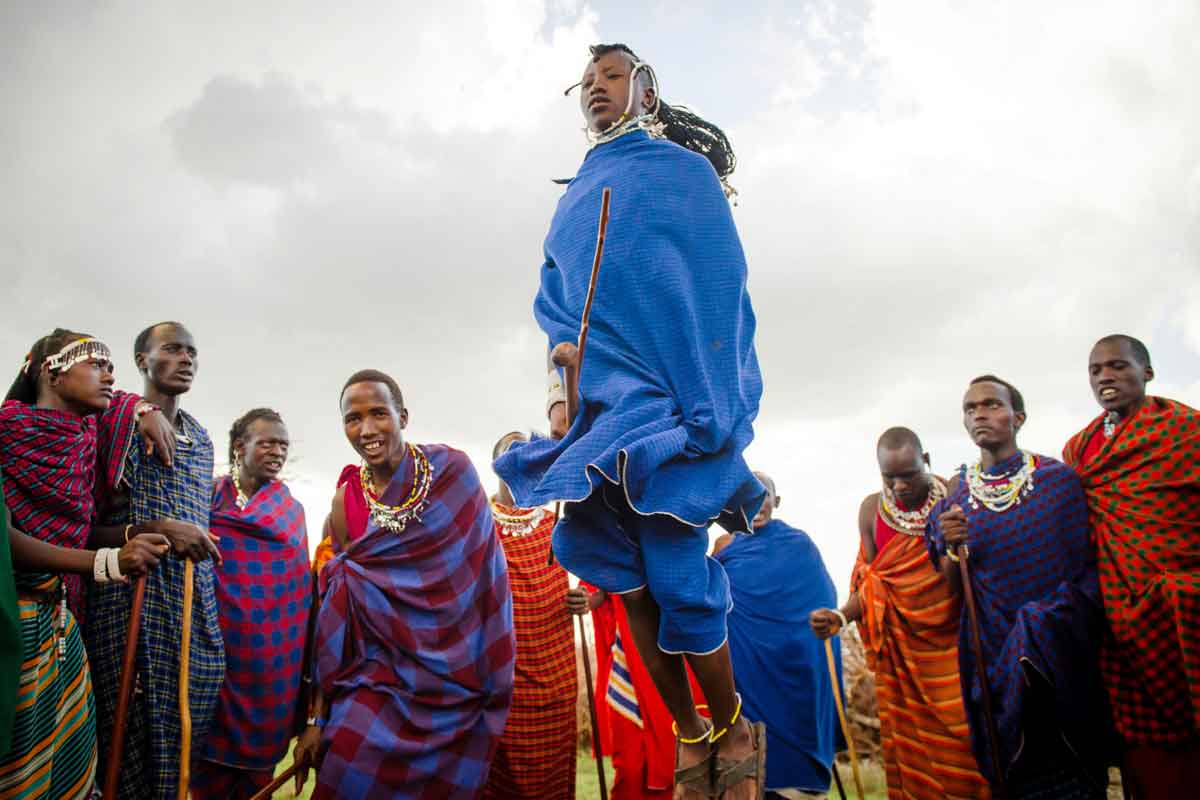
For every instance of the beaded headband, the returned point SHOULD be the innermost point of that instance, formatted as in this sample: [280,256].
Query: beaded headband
[78,351]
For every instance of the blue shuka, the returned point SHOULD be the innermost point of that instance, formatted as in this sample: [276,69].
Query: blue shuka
[777,579]
[670,382]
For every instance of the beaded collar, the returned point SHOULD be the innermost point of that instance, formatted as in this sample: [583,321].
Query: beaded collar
[396,518]
[911,523]
[1000,492]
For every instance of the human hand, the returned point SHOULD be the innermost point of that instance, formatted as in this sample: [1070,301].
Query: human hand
[824,623]
[158,435]
[305,754]
[188,540]
[141,553]
[577,601]
[953,523]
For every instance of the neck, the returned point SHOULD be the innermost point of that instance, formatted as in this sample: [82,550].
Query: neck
[249,483]
[920,499]
[504,496]
[169,403]
[1119,414]
[52,402]
[384,473]
[990,457]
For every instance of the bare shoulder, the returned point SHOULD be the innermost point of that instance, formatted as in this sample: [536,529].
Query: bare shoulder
[866,515]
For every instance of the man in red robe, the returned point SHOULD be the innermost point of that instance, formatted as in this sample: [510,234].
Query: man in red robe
[1139,462]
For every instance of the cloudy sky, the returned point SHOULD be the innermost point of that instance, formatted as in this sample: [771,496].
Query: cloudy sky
[929,190]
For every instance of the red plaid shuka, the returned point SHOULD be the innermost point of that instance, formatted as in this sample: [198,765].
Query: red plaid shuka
[1143,492]
[49,473]
[536,758]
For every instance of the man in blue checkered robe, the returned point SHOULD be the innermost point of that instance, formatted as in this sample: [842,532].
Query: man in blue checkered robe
[140,493]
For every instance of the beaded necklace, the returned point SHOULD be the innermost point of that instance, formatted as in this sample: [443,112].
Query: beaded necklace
[396,518]
[1110,425]
[911,523]
[999,493]
[242,500]
[516,524]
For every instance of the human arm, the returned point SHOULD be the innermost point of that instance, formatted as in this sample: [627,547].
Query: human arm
[186,539]
[953,527]
[141,554]
[307,744]
[338,527]
[826,622]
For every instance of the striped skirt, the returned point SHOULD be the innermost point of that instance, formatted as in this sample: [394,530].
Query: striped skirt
[53,754]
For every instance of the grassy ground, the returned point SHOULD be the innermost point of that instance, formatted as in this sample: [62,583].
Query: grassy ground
[588,788]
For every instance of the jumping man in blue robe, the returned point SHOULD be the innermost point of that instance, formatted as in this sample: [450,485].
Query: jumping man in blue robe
[669,390]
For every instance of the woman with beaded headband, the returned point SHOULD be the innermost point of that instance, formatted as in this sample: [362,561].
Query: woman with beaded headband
[908,620]
[48,459]
[414,645]
[536,757]
[1021,521]
[264,592]
[667,399]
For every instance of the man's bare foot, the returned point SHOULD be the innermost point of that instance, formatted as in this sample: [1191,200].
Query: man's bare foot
[733,748]
[690,755]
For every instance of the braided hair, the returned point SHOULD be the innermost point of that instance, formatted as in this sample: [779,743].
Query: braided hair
[243,423]
[680,124]
[25,387]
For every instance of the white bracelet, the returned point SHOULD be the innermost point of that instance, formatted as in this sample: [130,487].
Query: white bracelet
[841,618]
[114,565]
[100,566]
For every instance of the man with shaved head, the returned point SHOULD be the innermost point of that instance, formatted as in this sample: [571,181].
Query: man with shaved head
[777,579]
[908,620]
[1139,462]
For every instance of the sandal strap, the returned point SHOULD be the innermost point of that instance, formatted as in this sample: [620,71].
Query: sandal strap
[731,772]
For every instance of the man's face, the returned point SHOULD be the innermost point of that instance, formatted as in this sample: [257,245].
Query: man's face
[989,417]
[1118,379]
[903,472]
[605,88]
[87,387]
[769,505]
[264,449]
[373,425]
[170,360]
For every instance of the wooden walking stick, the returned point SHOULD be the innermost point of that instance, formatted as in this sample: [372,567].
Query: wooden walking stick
[185,663]
[981,668]
[591,695]
[841,710]
[270,789]
[125,692]
[573,366]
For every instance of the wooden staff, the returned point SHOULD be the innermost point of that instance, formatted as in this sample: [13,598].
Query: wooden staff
[591,695]
[981,669]
[573,368]
[837,700]
[272,787]
[185,662]
[125,692]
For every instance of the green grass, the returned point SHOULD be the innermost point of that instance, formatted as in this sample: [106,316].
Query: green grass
[588,788]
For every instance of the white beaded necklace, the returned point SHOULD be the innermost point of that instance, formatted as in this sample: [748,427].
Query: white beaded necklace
[999,493]
[911,523]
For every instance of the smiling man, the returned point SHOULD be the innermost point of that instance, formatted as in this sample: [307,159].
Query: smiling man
[137,489]
[1140,466]
[414,650]
[1021,520]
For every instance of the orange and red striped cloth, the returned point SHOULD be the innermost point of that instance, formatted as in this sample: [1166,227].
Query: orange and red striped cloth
[909,630]
[536,757]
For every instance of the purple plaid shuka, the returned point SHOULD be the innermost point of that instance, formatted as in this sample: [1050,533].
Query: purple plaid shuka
[415,646]
[1033,570]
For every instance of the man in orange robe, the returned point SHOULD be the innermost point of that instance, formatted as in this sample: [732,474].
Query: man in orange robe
[908,620]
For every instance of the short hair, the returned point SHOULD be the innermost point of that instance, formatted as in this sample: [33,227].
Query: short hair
[768,483]
[1139,350]
[25,387]
[897,438]
[496,451]
[1014,396]
[141,344]
[375,376]
[243,423]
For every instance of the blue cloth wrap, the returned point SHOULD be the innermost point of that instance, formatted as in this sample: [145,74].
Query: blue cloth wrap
[777,579]
[670,383]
